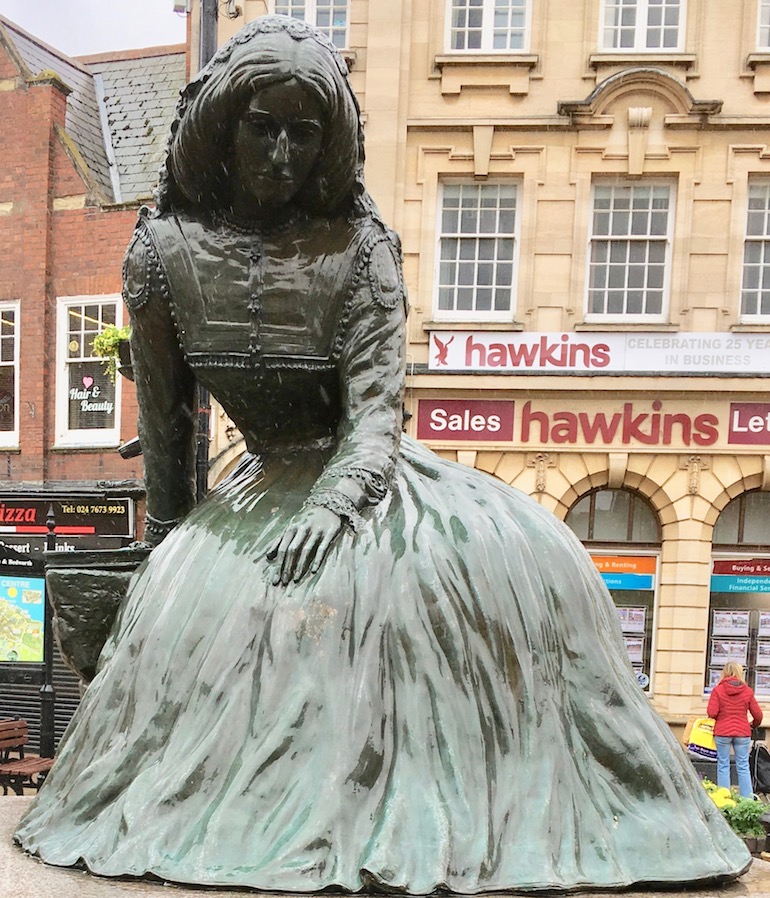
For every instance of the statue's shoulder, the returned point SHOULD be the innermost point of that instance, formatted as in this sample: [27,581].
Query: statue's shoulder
[381,264]
[143,275]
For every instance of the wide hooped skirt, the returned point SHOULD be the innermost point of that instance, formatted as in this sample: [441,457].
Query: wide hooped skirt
[445,704]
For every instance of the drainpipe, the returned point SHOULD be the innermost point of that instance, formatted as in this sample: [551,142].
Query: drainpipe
[206,49]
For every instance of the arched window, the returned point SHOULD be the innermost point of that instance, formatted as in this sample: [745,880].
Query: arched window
[622,533]
[744,523]
[739,601]
[614,516]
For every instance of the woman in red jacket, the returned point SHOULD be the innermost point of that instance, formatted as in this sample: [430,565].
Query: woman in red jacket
[729,705]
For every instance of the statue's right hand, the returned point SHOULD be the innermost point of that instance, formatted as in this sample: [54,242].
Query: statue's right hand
[304,544]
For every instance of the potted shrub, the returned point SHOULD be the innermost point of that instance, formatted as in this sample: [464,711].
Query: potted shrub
[743,814]
[744,818]
[112,345]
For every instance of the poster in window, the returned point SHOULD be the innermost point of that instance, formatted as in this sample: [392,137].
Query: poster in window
[762,683]
[91,397]
[635,649]
[7,398]
[713,677]
[730,623]
[632,619]
[764,623]
[763,653]
[21,619]
[724,650]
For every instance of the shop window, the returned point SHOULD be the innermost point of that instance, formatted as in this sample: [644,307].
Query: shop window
[622,534]
[9,373]
[615,516]
[330,17]
[477,251]
[755,288]
[87,399]
[486,26]
[739,606]
[629,252]
[763,26]
[642,25]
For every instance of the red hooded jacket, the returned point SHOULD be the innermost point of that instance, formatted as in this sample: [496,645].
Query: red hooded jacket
[728,704]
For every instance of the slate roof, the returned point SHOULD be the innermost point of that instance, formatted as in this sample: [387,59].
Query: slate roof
[139,98]
[119,110]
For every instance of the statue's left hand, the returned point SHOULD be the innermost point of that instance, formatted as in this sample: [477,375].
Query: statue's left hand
[304,544]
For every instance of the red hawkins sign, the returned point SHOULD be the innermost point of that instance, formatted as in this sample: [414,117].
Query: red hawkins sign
[465,419]
[524,353]
[749,423]
[631,423]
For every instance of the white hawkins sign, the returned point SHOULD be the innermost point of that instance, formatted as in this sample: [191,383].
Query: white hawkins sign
[500,351]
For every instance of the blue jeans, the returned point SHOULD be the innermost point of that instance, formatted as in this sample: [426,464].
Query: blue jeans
[741,746]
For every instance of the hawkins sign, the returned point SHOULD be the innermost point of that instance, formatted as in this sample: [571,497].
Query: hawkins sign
[518,353]
[634,423]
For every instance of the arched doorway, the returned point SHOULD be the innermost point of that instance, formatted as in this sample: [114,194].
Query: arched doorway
[739,599]
[621,531]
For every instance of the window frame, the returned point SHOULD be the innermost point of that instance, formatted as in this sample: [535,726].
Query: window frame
[628,547]
[487,32]
[739,550]
[764,266]
[91,438]
[667,240]
[10,438]
[640,33]
[763,24]
[311,17]
[474,315]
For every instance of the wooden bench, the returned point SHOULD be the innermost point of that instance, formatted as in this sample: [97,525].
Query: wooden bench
[18,772]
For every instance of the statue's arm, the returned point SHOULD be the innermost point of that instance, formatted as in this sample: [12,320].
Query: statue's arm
[372,370]
[165,389]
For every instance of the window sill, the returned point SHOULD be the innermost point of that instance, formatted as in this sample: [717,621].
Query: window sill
[350,57]
[747,328]
[759,66]
[469,70]
[86,447]
[472,326]
[637,58]
[609,326]
[11,448]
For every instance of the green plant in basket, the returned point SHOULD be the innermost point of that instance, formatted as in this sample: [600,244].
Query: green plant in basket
[107,346]
[744,816]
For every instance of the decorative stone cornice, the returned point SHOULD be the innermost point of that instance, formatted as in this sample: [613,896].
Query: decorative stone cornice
[632,81]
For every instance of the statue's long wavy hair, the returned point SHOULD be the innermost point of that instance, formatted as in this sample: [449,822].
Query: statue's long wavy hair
[268,51]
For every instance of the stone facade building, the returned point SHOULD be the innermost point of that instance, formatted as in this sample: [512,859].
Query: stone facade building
[583,192]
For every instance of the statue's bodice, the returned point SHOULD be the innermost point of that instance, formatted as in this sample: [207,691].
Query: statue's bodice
[261,318]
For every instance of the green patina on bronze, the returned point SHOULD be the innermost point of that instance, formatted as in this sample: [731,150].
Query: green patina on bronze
[354,664]
[86,589]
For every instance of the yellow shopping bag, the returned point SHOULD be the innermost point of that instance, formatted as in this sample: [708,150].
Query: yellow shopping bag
[701,741]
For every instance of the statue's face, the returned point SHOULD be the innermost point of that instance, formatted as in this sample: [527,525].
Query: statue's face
[277,141]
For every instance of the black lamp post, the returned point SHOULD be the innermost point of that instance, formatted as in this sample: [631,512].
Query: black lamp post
[47,692]
[207,47]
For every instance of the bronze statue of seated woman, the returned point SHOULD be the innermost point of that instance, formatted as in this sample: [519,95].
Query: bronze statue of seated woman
[354,664]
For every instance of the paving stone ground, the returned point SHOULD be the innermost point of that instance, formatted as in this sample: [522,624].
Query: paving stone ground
[25,877]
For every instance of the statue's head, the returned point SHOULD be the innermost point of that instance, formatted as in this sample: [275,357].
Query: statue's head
[271,120]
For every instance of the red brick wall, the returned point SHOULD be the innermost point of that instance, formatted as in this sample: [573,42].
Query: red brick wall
[46,254]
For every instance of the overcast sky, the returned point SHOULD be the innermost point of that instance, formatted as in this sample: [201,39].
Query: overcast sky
[80,27]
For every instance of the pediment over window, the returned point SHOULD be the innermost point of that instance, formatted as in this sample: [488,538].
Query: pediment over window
[681,108]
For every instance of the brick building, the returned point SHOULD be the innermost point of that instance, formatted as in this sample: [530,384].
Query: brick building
[81,144]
